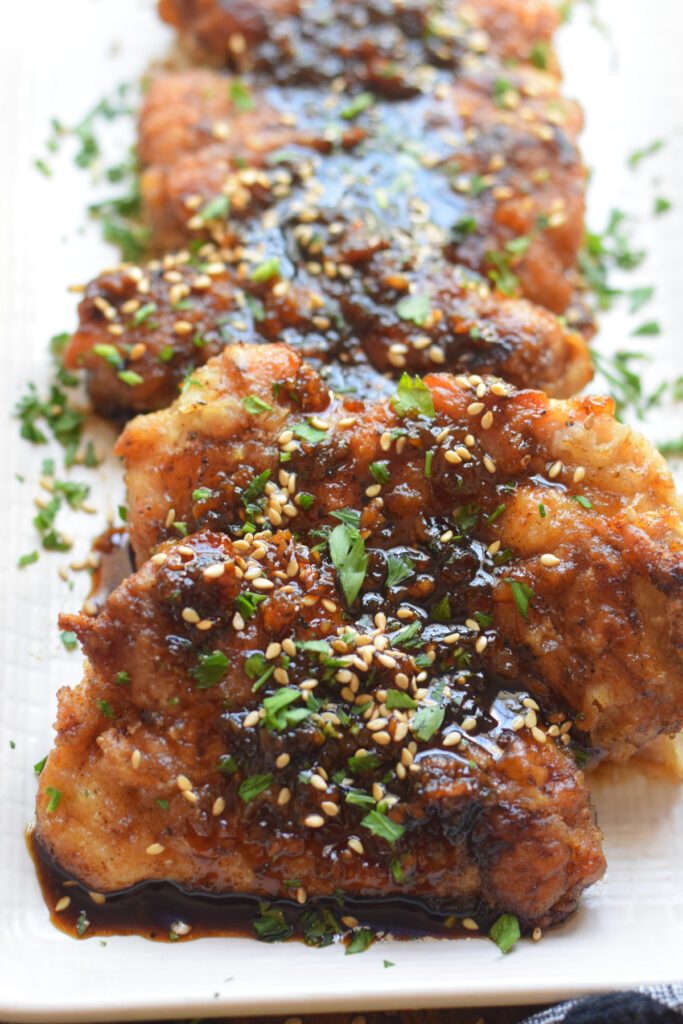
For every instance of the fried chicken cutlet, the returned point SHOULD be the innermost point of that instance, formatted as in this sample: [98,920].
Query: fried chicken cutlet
[547,525]
[464,170]
[143,328]
[237,732]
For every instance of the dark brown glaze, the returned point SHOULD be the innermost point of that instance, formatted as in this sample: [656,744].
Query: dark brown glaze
[382,45]
[499,487]
[465,168]
[157,757]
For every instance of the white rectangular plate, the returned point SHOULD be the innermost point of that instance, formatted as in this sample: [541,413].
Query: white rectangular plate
[57,60]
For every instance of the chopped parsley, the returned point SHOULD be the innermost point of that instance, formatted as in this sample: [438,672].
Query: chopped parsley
[271,925]
[347,551]
[266,270]
[28,559]
[360,941]
[382,826]
[380,471]
[636,158]
[106,708]
[69,640]
[240,96]
[413,396]
[427,721]
[415,308]
[250,788]
[55,795]
[308,433]
[259,669]
[522,594]
[210,669]
[254,405]
[217,207]
[357,105]
[247,603]
[82,924]
[505,932]
[399,699]
[320,927]
[399,568]
[648,329]
[279,713]
[442,609]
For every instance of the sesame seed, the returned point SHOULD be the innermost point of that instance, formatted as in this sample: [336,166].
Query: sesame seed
[452,739]
[373,490]
[536,934]
[135,758]
[329,808]
[470,924]
[62,904]
[452,457]
[518,723]
[260,583]
[469,724]
[190,615]
[318,782]
[630,514]
[218,806]
[500,390]
[555,469]
[383,738]
[487,420]
[250,720]
[494,548]
[155,849]
[238,622]
[284,796]
[314,821]
[301,894]
[474,408]
[452,638]
[355,845]
[445,537]
[350,922]
[579,474]
[190,796]
[481,644]
[530,719]
[89,607]
[550,561]
[348,421]
[273,650]
[489,464]
[328,605]
[214,572]
[529,702]
[538,734]
[378,723]
[385,441]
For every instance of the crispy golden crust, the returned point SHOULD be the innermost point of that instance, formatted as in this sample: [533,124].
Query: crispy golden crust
[577,507]
[498,822]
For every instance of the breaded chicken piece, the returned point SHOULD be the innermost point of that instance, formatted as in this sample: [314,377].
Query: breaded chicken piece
[562,520]
[484,170]
[143,328]
[381,45]
[236,732]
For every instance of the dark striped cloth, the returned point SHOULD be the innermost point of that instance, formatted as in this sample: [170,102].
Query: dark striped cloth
[660,1004]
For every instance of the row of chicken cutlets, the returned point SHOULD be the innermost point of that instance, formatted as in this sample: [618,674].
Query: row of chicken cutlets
[394,586]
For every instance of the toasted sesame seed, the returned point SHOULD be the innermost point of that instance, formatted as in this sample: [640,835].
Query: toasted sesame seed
[284,796]
[530,719]
[62,904]
[373,490]
[550,561]
[261,583]
[385,441]
[518,723]
[445,537]
[89,607]
[238,622]
[481,644]
[500,390]
[190,796]
[136,758]
[555,469]
[529,702]
[348,421]
[355,844]
[378,723]
[214,572]
[350,922]
[474,408]
[487,420]
[183,783]
[318,782]
[579,474]
[469,724]
[538,734]
[190,615]
[218,806]
[329,808]
[470,924]
[250,720]
[154,849]
[314,821]
[489,464]
[451,638]
[630,513]
[536,934]
[301,894]
[205,624]
[452,457]
[328,605]
[273,650]
[97,897]
[452,739]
